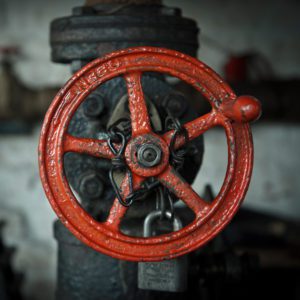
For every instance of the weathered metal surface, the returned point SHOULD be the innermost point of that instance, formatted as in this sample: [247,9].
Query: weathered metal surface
[210,218]
[138,2]
[83,273]
[115,97]
[93,31]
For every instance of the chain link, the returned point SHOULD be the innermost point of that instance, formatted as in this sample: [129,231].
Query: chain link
[118,164]
[177,156]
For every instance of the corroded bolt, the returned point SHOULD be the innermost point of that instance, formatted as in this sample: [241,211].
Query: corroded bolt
[176,104]
[93,105]
[91,186]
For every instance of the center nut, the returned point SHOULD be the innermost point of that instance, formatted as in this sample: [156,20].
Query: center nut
[149,155]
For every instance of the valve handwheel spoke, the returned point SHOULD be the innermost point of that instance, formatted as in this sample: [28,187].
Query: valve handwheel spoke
[177,185]
[147,154]
[93,147]
[118,210]
[194,128]
[140,121]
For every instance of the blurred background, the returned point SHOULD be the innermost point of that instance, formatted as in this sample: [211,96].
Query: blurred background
[255,45]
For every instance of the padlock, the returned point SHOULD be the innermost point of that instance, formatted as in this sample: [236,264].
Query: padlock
[167,275]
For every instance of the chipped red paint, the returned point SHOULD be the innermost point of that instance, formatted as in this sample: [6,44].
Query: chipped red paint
[243,109]
[227,110]
[97,148]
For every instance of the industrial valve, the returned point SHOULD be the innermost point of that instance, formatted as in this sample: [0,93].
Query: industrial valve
[147,156]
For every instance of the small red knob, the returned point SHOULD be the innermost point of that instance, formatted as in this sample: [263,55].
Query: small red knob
[243,109]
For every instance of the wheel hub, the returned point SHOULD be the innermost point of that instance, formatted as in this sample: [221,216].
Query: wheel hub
[147,155]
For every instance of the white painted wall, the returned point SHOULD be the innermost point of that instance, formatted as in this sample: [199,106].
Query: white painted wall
[26,24]
[274,187]
[28,216]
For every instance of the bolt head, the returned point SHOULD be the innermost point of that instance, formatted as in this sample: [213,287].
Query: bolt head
[91,186]
[93,106]
[176,104]
[149,155]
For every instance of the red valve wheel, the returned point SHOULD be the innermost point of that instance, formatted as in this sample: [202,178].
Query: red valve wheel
[229,111]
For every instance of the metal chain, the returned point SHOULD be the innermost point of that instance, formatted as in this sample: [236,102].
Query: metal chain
[147,186]
[163,194]
[177,156]
[118,163]
[122,125]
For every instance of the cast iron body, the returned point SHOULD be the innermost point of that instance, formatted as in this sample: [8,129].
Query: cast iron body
[94,31]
